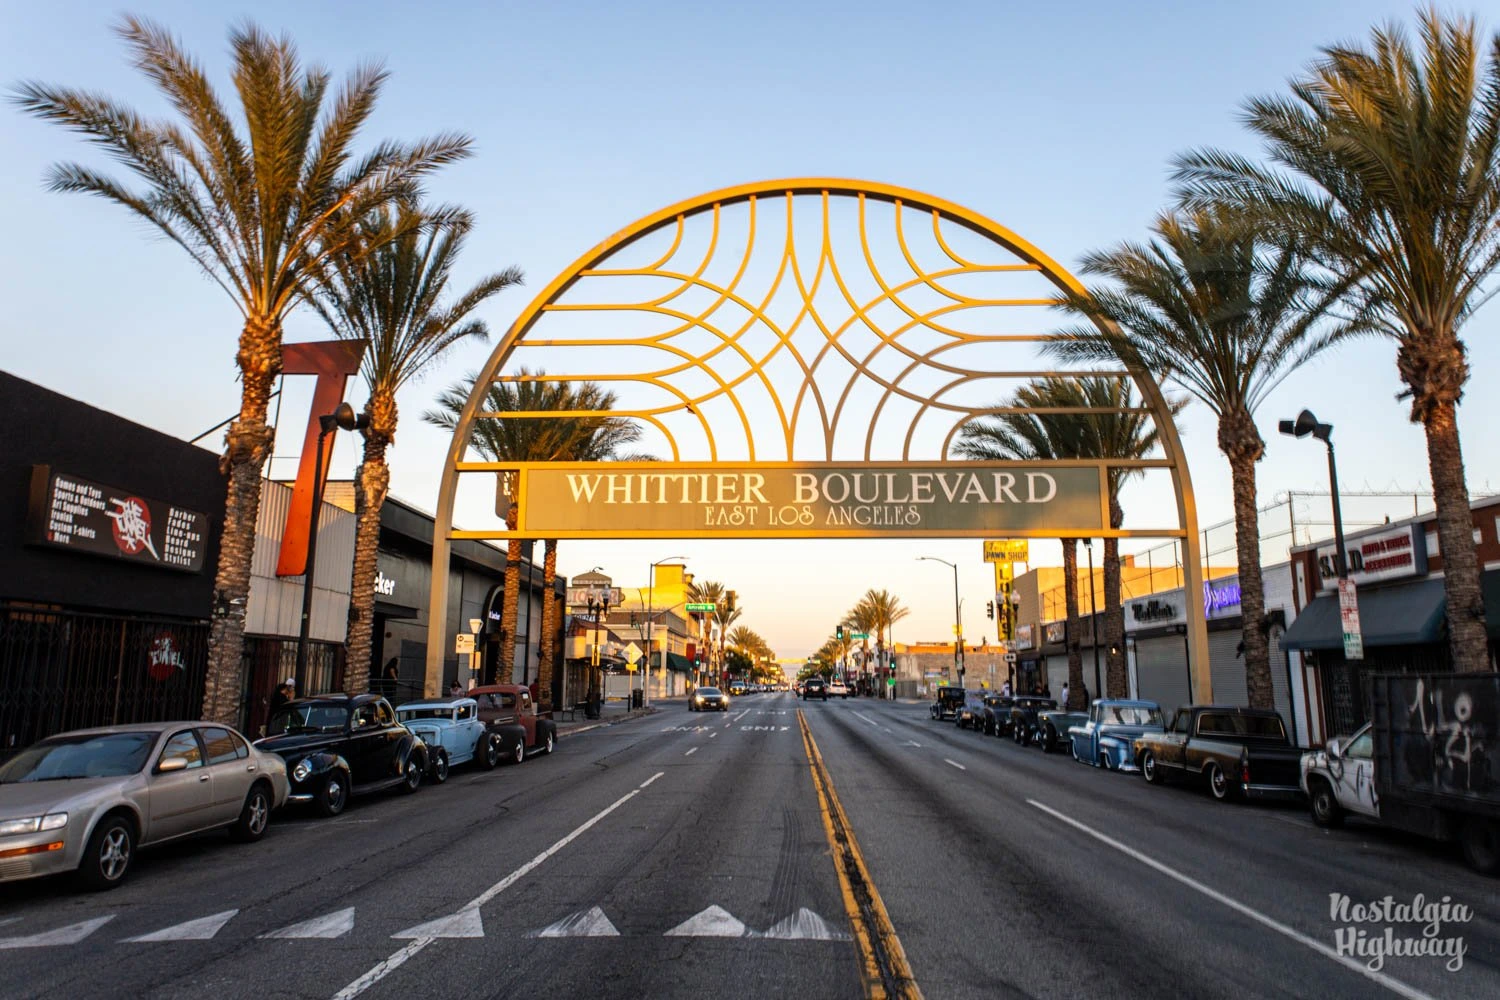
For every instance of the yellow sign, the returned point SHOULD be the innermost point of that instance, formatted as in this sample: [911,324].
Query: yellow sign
[800,500]
[1007,550]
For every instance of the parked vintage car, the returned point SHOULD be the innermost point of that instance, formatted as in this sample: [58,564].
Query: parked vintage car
[1023,717]
[84,801]
[507,709]
[453,732]
[1233,750]
[1107,738]
[337,745]
[949,698]
[997,714]
[1053,725]
[970,714]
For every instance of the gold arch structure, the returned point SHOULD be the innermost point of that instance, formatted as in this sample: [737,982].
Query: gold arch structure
[817,336]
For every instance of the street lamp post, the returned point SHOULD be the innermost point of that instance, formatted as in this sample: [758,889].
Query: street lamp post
[1304,425]
[650,622]
[958,628]
[597,606]
[1088,543]
[345,417]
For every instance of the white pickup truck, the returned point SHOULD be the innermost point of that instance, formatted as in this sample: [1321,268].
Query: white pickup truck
[837,688]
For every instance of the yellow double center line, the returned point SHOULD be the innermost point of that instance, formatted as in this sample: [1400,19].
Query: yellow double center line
[883,966]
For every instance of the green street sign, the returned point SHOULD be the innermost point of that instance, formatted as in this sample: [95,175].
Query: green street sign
[702,607]
[859,635]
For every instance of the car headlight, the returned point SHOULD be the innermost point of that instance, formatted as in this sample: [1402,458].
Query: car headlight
[33,824]
[301,770]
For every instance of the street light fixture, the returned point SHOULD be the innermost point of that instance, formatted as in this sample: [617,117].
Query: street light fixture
[958,628]
[597,606]
[650,621]
[1304,425]
[345,417]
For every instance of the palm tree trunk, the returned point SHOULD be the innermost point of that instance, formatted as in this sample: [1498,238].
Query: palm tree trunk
[1074,626]
[1116,675]
[1252,591]
[247,444]
[510,614]
[1467,638]
[371,483]
[549,628]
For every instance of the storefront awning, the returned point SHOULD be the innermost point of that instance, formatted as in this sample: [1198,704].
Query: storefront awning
[1406,614]
[679,663]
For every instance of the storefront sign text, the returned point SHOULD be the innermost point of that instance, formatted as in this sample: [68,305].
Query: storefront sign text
[74,513]
[1383,555]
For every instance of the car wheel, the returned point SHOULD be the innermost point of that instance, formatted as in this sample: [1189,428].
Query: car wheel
[107,857]
[254,817]
[1324,805]
[1104,760]
[551,743]
[334,794]
[439,768]
[411,774]
[1148,768]
[1018,734]
[518,756]
[1218,781]
[1049,739]
[489,751]
[1480,839]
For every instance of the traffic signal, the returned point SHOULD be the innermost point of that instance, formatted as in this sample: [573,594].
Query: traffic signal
[838,632]
[989,609]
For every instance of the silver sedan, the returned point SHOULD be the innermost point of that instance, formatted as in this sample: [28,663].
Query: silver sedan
[85,801]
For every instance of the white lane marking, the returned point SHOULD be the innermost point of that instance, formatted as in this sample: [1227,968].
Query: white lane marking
[589,923]
[10,920]
[712,922]
[737,718]
[1394,985]
[202,929]
[911,743]
[71,934]
[866,718]
[712,735]
[691,752]
[389,965]
[955,764]
[648,781]
[463,924]
[329,926]
[805,925]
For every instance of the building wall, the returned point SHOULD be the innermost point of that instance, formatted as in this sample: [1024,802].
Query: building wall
[275,604]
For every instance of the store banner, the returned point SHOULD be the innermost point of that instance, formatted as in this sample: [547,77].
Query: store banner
[70,512]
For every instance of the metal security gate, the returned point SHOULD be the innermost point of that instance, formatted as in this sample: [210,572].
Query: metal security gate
[63,670]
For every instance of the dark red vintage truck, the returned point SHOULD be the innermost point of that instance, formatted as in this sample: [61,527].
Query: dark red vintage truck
[508,711]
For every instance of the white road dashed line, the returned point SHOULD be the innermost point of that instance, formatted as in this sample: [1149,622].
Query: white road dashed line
[1394,985]
[712,735]
[691,752]
[737,718]
[955,764]
[648,781]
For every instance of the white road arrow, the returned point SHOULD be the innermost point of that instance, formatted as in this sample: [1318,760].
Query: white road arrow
[712,922]
[71,934]
[805,925]
[202,929]
[463,924]
[589,923]
[331,925]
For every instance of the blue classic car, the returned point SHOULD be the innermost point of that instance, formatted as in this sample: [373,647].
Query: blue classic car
[453,732]
[1107,738]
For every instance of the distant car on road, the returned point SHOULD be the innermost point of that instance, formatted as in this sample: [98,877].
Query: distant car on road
[997,714]
[508,712]
[970,714]
[814,687]
[1024,724]
[708,699]
[85,801]
[837,688]
[1053,725]
[1233,750]
[453,732]
[949,698]
[1107,738]
[337,745]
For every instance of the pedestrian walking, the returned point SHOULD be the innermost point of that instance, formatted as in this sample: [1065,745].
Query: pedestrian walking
[285,692]
[1065,696]
[455,689]
[391,678]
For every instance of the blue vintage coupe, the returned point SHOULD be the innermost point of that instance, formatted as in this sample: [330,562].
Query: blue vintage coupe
[1106,739]
[453,732]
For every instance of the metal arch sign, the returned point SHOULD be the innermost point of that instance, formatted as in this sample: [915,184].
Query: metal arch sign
[825,500]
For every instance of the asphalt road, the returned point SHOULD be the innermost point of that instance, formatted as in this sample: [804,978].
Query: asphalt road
[685,854]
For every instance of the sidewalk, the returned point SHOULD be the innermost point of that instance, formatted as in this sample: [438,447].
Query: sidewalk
[612,712]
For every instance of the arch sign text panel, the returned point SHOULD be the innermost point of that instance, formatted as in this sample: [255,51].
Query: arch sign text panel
[826,500]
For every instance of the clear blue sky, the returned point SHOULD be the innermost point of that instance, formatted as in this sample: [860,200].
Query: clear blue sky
[1056,120]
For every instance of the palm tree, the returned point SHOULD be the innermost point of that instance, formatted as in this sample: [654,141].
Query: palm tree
[1214,307]
[885,611]
[259,208]
[539,439]
[1030,437]
[1392,180]
[393,298]
[1121,435]
[862,619]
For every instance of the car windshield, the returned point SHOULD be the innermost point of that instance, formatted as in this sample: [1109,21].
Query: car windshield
[1132,715]
[708,691]
[95,755]
[409,714]
[312,718]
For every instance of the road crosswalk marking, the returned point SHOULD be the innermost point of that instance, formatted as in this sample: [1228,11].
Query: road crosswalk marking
[587,923]
[202,929]
[71,934]
[329,926]
[805,925]
[463,924]
[712,922]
